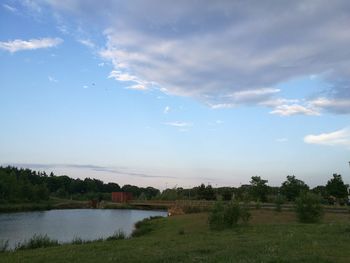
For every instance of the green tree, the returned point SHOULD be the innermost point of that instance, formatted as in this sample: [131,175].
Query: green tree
[292,188]
[259,188]
[336,187]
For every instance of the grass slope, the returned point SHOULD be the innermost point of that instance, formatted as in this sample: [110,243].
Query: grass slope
[270,237]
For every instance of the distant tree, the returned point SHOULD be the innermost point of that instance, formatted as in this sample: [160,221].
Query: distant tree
[336,187]
[259,188]
[292,188]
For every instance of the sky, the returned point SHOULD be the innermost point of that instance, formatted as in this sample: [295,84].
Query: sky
[176,93]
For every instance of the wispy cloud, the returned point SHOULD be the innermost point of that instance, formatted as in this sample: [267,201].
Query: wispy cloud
[52,79]
[281,140]
[86,42]
[166,110]
[18,45]
[179,124]
[336,138]
[10,8]
[294,109]
[96,168]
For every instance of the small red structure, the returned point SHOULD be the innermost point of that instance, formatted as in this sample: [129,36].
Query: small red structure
[121,197]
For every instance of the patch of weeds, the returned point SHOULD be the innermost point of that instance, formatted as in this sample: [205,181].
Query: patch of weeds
[118,235]
[37,241]
[77,241]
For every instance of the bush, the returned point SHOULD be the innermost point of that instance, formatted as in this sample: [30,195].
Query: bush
[309,208]
[222,216]
[216,216]
[37,241]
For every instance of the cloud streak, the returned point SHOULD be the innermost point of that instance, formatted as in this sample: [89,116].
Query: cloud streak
[336,138]
[179,124]
[96,168]
[32,44]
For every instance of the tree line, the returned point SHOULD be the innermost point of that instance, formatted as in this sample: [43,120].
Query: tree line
[18,185]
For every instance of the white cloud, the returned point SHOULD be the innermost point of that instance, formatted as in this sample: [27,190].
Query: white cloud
[179,124]
[52,79]
[101,64]
[86,42]
[10,8]
[336,138]
[166,110]
[252,96]
[294,109]
[222,106]
[85,87]
[18,45]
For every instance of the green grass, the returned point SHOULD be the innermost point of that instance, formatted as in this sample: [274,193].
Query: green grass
[269,237]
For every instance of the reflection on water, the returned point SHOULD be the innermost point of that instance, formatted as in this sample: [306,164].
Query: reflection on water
[65,225]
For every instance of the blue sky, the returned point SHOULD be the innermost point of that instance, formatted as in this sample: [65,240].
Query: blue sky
[163,94]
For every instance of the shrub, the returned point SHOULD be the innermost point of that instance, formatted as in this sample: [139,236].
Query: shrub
[309,208]
[222,216]
[216,216]
[38,241]
[232,213]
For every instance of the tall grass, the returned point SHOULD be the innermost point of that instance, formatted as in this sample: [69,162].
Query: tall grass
[118,235]
[37,241]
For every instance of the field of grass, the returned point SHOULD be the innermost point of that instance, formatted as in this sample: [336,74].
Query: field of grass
[269,237]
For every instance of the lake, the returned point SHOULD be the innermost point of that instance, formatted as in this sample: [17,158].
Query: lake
[65,225]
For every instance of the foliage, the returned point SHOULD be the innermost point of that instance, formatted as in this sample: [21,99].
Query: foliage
[25,185]
[37,241]
[259,188]
[336,187]
[292,188]
[227,216]
[309,208]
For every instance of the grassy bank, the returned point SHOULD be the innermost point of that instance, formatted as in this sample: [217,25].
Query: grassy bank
[270,237]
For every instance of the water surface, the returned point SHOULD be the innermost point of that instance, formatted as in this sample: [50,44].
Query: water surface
[65,225]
